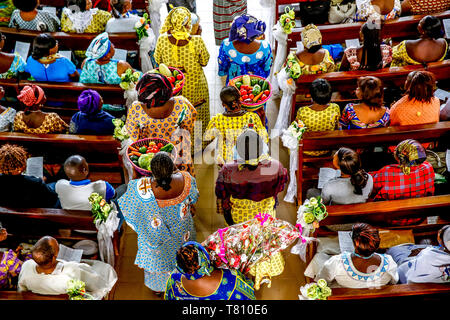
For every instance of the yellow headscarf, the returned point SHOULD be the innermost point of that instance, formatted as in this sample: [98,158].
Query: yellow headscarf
[311,36]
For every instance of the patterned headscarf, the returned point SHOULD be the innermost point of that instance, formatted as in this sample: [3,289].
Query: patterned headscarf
[154,89]
[179,23]
[99,47]
[410,153]
[246,28]
[31,96]
[311,36]
[88,101]
[204,262]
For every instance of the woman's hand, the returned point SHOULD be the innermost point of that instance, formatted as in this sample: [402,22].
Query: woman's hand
[3,234]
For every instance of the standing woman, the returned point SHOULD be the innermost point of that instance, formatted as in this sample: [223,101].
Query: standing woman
[158,209]
[157,114]
[224,12]
[177,47]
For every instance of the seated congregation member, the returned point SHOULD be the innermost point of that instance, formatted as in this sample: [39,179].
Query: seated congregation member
[7,115]
[377,10]
[243,52]
[313,59]
[158,209]
[418,105]
[372,55]
[19,190]
[45,63]
[156,114]
[45,274]
[91,119]
[370,113]
[227,126]
[28,17]
[224,12]
[413,7]
[10,63]
[178,47]
[321,115]
[80,17]
[356,269]
[424,263]
[411,177]
[6,10]
[353,186]
[249,184]
[195,278]
[32,119]
[99,66]
[74,193]
[122,20]
[430,47]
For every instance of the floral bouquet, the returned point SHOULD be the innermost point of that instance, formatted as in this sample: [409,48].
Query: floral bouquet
[77,290]
[287,20]
[100,208]
[129,79]
[293,134]
[142,26]
[311,213]
[243,245]
[293,68]
[120,130]
[315,291]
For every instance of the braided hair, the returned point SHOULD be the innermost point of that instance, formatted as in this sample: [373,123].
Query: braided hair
[13,159]
[366,239]
[187,259]
[154,90]
[162,170]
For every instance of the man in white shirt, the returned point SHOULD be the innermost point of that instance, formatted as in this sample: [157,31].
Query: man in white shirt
[45,274]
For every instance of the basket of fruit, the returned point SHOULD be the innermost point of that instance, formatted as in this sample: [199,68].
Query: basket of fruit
[141,153]
[175,76]
[255,90]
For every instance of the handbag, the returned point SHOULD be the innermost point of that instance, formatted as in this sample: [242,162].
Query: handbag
[315,12]
[341,11]
[437,160]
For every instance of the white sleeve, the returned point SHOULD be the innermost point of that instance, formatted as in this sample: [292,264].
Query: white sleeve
[21,285]
[329,268]
[392,271]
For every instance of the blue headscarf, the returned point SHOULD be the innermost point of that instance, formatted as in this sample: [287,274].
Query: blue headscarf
[99,47]
[206,268]
[246,28]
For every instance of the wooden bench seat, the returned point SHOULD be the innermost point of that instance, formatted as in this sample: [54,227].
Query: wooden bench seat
[28,295]
[102,4]
[360,138]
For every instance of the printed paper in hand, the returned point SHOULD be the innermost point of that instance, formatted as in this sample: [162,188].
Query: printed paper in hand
[69,254]
[300,46]
[66,54]
[345,241]
[327,174]
[446,23]
[120,54]
[447,159]
[51,10]
[442,94]
[352,43]
[22,49]
[35,167]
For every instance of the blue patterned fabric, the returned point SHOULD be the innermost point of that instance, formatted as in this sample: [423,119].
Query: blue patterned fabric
[162,227]
[58,71]
[95,73]
[18,65]
[232,63]
[233,286]
[357,275]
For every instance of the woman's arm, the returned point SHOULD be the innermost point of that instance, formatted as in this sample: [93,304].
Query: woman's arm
[123,66]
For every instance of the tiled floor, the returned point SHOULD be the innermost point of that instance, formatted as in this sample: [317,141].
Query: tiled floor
[284,287]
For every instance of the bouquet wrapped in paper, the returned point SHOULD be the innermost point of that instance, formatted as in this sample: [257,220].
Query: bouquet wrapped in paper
[315,291]
[120,130]
[243,245]
[77,290]
[100,208]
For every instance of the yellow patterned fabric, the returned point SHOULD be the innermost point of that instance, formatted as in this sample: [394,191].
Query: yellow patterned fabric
[178,22]
[244,209]
[191,64]
[401,58]
[265,270]
[51,124]
[227,129]
[325,66]
[324,120]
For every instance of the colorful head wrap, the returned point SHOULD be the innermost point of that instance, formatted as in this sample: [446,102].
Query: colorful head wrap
[246,28]
[89,101]
[154,89]
[311,36]
[99,47]
[31,96]
[204,262]
[179,23]
[409,153]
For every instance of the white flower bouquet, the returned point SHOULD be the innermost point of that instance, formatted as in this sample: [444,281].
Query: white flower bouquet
[315,291]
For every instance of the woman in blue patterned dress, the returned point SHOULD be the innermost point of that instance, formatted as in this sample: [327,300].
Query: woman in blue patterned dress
[195,278]
[158,209]
[10,63]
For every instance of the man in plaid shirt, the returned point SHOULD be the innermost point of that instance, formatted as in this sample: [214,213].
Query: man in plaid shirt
[413,177]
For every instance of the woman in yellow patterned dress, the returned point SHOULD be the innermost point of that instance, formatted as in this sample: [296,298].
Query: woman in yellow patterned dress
[227,126]
[248,186]
[157,114]
[177,47]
